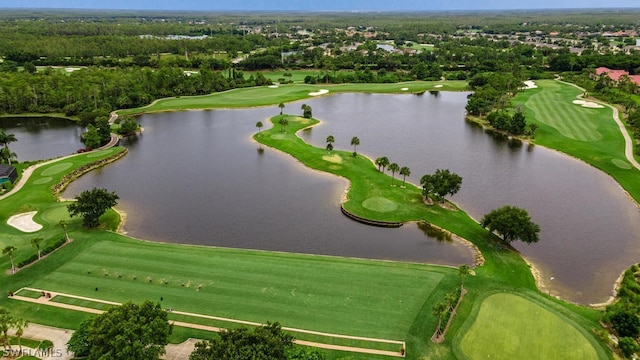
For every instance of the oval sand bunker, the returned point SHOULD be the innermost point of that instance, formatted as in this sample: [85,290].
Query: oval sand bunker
[24,222]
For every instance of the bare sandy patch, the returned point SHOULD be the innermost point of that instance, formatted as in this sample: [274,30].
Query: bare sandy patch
[404,89]
[319,92]
[530,84]
[24,222]
[335,158]
[588,104]
[273,86]
[438,86]
[71,69]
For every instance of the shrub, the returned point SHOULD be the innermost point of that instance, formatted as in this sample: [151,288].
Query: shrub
[628,346]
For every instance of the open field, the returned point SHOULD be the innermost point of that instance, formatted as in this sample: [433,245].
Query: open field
[587,134]
[535,331]
[264,96]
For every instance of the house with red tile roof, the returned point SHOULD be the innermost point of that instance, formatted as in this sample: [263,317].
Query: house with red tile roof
[616,74]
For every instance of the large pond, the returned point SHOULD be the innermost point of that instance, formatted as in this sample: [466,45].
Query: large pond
[42,138]
[196,177]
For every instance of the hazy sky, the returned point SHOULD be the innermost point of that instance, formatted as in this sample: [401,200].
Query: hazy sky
[344,5]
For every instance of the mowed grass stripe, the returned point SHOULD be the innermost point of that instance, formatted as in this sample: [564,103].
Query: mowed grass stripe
[569,119]
[363,298]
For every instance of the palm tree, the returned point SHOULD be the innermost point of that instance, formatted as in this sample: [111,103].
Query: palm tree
[393,167]
[6,321]
[20,324]
[382,163]
[6,155]
[404,171]
[439,310]
[330,140]
[259,125]
[463,270]
[36,244]
[9,250]
[355,142]
[6,139]
[281,106]
[63,224]
[451,298]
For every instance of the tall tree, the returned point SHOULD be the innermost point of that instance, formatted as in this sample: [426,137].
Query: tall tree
[19,324]
[35,242]
[63,224]
[355,142]
[6,322]
[129,331]
[393,167]
[440,184]
[405,171]
[463,271]
[306,111]
[281,106]
[6,155]
[330,140]
[6,139]
[382,163]
[512,223]
[264,342]
[9,250]
[440,310]
[259,125]
[91,204]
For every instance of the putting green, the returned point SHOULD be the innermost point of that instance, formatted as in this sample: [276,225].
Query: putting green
[43,180]
[622,164]
[278,136]
[56,169]
[55,214]
[335,158]
[379,204]
[553,106]
[101,153]
[509,326]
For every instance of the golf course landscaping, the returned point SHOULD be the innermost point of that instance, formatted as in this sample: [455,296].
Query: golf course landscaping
[589,134]
[223,287]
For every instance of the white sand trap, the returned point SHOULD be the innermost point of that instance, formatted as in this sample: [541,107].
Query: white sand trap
[319,92]
[273,86]
[588,104]
[438,86]
[71,69]
[530,84]
[24,222]
[404,89]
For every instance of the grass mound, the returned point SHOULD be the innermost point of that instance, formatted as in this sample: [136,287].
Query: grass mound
[518,328]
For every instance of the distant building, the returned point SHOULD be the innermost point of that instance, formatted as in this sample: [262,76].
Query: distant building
[637,42]
[8,173]
[616,74]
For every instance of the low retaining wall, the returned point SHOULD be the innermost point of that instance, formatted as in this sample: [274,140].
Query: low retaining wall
[387,224]
[67,179]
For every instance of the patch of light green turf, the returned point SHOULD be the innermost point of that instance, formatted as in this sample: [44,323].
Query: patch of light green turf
[511,327]
[56,169]
[379,204]
[572,121]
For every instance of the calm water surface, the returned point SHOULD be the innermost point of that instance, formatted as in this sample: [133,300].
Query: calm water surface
[196,177]
[42,138]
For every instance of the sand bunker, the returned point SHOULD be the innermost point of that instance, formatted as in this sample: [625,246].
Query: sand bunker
[438,86]
[319,92]
[71,69]
[24,222]
[404,89]
[588,104]
[530,84]
[273,86]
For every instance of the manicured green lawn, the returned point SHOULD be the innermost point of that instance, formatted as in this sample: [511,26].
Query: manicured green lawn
[588,134]
[263,96]
[509,326]
[382,299]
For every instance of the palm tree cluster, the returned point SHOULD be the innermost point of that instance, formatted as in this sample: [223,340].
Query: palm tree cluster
[8,322]
[5,153]
[383,162]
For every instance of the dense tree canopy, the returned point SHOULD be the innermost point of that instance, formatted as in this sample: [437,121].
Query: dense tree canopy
[512,223]
[443,182]
[125,332]
[91,204]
